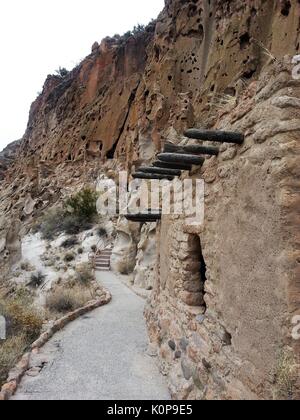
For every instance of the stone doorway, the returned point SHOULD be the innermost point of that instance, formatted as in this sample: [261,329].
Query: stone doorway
[195,273]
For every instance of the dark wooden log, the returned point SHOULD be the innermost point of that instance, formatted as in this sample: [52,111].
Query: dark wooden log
[143,220]
[219,136]
[143,217]
[176,157]
[193,149]
[180,166]
[141,175]
[160,171]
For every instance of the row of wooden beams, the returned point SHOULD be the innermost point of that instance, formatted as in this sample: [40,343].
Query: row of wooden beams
[160,171]
[141,175]
[213,135]
[181,158]
[193,149]
[143,217]
[169,165]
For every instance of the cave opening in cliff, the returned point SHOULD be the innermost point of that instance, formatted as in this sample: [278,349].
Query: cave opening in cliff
[286,7]
[244,40]
[111,153]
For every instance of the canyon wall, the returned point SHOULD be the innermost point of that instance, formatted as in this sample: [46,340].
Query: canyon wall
[224,294]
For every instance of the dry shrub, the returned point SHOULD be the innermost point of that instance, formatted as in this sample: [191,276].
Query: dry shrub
[58,220]
[70,242]
[285,376]
[26,266]
[23,327]
[11,351]
[21,319]
[63,299]
[84,274]
[69,257]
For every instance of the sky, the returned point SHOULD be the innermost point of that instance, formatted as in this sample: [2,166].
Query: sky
[38,36]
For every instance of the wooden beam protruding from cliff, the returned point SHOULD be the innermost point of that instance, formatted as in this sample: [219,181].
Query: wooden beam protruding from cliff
[168,165]
[181,158]
[193,149]
[213,135]
[143,217]
[141,175]
[160,171]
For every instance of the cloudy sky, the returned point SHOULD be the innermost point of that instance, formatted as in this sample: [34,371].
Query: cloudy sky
[37,37]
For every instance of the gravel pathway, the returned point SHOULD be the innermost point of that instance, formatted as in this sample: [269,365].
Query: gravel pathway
[101,356]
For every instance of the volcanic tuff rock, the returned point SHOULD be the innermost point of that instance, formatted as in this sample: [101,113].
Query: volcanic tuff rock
[7,157]
[209,64]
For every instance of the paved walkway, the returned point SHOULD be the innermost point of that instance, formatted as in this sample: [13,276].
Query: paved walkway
[101,356]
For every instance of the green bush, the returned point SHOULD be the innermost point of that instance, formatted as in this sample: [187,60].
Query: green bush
[52,223]
[72,224]
[62,72]
[101,232]
[77,215]
[83,204]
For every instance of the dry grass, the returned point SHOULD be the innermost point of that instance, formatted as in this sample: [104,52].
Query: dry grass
[23,326]
[65,299]
[11,351]
[285,377]
[84,274]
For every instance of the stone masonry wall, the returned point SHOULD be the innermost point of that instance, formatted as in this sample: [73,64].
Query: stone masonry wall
[232,347]
[211,64]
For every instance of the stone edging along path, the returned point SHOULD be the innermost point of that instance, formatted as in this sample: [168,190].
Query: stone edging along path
[17,373]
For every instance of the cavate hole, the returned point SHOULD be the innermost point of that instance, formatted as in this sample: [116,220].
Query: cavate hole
[157,52]
[227,339]
[253,12]
[286,7]
[230,91]
[192,10]
[248,74]
[244,40]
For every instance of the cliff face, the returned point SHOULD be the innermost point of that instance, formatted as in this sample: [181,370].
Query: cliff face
[212,64]
[131,94]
